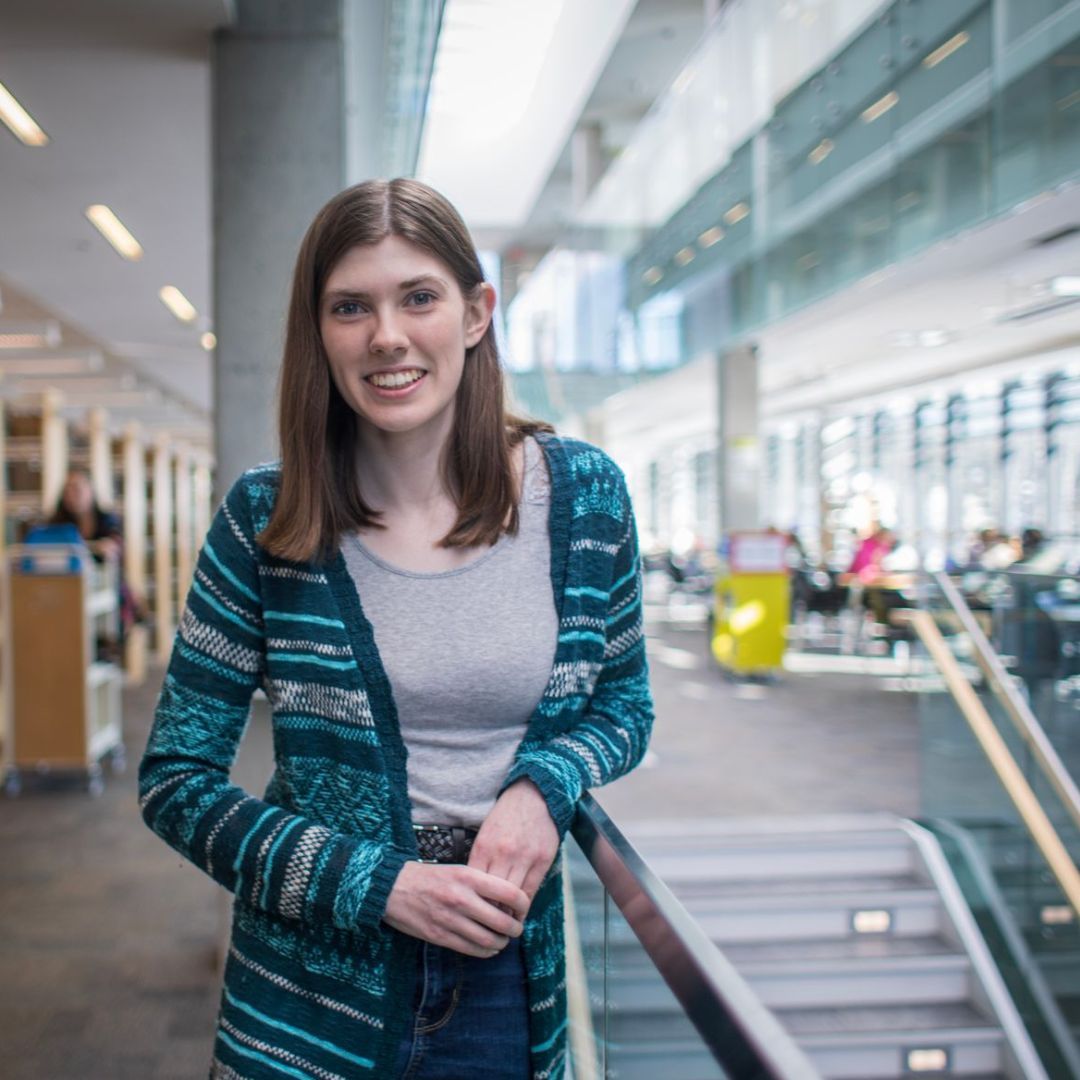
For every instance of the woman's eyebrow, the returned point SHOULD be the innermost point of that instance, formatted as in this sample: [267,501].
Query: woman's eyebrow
[345,293]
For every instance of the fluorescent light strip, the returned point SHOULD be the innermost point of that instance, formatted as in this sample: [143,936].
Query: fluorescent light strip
[880,107]
[19,121]
[710,236]
[943,52]
[178,303]
[684,256]
[113,229]
[49,365]
[653,275]
[821,151]
[739,211]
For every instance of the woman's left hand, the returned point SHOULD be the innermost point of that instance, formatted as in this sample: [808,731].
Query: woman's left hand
[518,840]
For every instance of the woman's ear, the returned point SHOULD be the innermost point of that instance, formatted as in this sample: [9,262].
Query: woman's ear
[479,307]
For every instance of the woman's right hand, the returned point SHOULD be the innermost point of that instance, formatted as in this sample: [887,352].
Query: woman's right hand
[457,907]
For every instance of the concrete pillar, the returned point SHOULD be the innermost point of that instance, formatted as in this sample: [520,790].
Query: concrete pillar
[739,444]
[279,154]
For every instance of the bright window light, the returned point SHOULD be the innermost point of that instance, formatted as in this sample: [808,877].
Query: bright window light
[178,303]
[113,229]
[19,121]
[1065,286]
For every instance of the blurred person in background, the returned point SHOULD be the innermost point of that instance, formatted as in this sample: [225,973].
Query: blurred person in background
[442,603]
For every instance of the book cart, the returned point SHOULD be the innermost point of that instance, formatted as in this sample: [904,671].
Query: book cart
[62,711]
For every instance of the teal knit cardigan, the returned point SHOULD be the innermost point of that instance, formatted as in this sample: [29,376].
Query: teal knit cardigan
[315,984]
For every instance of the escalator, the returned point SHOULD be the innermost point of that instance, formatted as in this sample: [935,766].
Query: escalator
[852,948]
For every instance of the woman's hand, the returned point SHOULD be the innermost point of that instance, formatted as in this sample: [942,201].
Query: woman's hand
[458,907]
[518,841]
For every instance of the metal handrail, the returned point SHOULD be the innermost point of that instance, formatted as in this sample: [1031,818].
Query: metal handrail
[1002,761]
[743,1036]
[1006,691]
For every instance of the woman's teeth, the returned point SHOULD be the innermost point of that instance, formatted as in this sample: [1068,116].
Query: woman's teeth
[393,380]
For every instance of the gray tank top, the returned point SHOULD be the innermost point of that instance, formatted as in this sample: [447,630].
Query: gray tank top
[468,653]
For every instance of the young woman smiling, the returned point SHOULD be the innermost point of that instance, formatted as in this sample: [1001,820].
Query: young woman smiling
[442,603]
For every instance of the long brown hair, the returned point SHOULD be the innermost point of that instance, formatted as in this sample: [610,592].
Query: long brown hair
[319,499]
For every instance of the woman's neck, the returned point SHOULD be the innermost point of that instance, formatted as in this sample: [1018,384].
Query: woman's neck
[402,471]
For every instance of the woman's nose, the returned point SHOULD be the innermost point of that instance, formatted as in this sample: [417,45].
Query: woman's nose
[389,335]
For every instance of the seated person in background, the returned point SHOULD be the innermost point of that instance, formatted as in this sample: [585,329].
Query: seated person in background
[103,533]
[866,566]
[78,506]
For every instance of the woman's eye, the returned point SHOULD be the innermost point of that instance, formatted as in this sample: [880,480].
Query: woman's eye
[422,298]
[347,307]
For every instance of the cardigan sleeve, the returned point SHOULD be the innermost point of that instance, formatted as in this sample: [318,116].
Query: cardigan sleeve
[274,860]
[613,732]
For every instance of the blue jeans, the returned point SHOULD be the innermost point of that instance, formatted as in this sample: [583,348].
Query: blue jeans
[470,1017]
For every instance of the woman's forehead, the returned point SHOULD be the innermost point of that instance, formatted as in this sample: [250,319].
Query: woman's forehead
[390,263]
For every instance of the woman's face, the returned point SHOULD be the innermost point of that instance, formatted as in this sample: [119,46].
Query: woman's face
[78,496]
[395,327]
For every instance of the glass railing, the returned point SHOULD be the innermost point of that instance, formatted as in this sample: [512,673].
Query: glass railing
[996,788]
[649,994]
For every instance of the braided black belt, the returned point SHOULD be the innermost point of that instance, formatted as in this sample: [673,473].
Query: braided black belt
[444,843]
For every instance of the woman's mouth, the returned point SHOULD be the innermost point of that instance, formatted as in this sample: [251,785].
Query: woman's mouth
[395,380]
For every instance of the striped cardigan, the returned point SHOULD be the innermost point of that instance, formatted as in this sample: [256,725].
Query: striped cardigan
[315,984]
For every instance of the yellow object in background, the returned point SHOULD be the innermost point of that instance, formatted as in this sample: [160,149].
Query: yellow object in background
[753,601]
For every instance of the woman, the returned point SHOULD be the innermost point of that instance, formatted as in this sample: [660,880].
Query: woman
[77,506]
[446,677]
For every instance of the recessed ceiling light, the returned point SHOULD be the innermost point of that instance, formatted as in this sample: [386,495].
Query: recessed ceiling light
[684,256]
[710,236]
[114,230]
[880,107]
[19,121]
[739,211]
[178,303]
[957,41]
[208,341]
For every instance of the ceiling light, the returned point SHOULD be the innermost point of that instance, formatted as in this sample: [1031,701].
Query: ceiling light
[942,52]
[821,151]
[111,227]
[684,256]
[929,1060]
[880,107]
[120,399]
[41,335]
[21,123]
[1065,286]
[653,275]
[1068,101]
[737,213]
[38,385]
[51,365]
[208,341]
[178,303]
[710,236]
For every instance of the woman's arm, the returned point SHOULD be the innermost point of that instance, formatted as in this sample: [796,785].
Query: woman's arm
[275,860]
